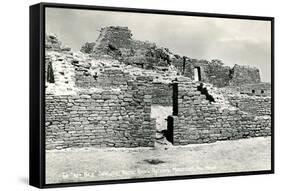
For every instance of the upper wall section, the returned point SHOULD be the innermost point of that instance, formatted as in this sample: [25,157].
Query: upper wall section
[220,75]
[244,75]
[117,42]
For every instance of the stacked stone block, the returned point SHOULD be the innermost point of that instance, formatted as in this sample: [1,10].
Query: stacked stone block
[244,75]
[105,118]
[162,94]
[258,106]
[196,120]
[110,77]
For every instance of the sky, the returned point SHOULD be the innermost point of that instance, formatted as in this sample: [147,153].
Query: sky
[234,41]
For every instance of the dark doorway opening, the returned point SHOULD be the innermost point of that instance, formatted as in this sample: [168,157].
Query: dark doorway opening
[170,130]
[50,73]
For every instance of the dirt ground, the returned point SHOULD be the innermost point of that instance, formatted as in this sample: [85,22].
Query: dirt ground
[164,160]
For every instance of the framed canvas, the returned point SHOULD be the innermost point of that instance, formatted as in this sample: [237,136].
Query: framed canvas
[121,95]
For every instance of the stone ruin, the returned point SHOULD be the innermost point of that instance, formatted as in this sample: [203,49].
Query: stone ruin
[103,95]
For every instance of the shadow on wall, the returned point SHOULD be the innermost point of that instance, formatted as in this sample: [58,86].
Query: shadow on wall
[205,92]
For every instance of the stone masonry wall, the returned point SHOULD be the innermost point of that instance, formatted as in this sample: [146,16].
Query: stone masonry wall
[244,75]
[258,106]
[105,118]
[258,89]
[162,94]
[214,72]
[220,75]
[113,77]
[196,120]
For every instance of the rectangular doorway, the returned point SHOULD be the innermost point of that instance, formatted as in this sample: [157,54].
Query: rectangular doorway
[197,74]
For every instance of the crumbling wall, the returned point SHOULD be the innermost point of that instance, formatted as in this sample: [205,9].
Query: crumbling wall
[220,75]
[116,42]
[111,39]
[88,47]
[214,72]
[196,120]
[104,118]
[244,75]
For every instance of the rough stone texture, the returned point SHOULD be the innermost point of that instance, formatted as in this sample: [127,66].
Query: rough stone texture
[88,47]
[104,118]
[117,42]
[111,39]
[244,75]
[214,72]
[162,94]
[102,96]
[110,77]
[258,106]
[196,120]
[258,89]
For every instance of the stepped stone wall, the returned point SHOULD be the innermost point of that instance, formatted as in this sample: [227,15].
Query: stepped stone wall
[196,120]
[105,118]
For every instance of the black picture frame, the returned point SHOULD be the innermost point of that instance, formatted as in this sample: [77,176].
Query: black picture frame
[37,93]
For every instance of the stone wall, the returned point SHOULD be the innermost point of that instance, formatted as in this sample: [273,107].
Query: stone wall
[258,106]
[220,75]
[113,77]
[244,75]
[196,120]
[104,118]
[162,94]
[117,42]
[214,72]
[111,39]
[258,89]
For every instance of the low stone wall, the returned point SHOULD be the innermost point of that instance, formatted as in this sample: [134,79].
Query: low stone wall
[162,94]
[258,106]
[196,120]
[104,118]
[259,89]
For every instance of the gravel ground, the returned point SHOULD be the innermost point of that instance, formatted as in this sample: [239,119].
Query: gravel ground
[119,163]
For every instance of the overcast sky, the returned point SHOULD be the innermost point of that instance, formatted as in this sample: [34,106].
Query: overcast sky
[234,41]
